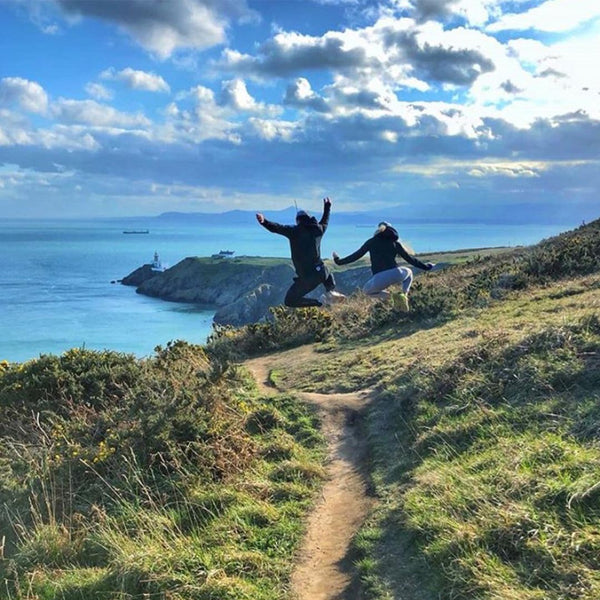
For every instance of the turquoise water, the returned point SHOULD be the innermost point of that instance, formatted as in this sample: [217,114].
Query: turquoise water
[56,291]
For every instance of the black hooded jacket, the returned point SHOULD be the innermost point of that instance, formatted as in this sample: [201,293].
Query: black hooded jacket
[305,241]
[383,248]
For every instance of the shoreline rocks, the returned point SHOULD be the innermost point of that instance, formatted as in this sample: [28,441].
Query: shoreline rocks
[241,289]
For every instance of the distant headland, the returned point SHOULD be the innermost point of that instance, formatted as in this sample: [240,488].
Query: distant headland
[242,289]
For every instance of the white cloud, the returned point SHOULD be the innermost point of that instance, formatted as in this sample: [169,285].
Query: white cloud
[272,130]
[475,12]
[543,81]
[397,50]
[291,52]
[137,80]
[551,16]
[27,95]
[300,94]
[197,118]
[90,112]
[235,94]
[163,27]
[98,91]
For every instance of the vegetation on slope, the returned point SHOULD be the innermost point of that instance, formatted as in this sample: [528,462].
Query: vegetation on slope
[172,478]
[484,440]
[484,431]
[489,466]
[164,478]
[435,297]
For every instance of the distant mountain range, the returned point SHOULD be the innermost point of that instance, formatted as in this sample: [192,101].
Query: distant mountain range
[393,214]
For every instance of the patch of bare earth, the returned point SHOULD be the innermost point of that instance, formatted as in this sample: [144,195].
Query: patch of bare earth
[323,571]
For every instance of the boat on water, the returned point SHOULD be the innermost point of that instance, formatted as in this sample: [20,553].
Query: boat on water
[224,254]
[136,231]
[156,264]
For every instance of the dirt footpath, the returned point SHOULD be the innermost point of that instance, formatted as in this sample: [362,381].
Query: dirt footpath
[323,571]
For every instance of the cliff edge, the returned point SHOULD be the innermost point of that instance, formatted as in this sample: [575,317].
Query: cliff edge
[242,289]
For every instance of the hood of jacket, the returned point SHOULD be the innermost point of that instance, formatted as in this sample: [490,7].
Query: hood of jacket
[387,233]
[307,221]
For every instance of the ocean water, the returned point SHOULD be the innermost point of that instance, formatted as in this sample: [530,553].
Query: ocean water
[56,291]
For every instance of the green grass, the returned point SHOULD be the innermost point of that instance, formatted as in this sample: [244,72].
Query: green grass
[484,449]
[165,478]
[174,478]
[483,439]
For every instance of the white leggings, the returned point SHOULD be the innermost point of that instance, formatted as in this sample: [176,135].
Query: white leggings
[376,286]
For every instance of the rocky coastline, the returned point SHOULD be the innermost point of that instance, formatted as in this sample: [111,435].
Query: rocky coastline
[241,289]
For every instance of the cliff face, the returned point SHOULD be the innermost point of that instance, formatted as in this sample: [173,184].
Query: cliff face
[138,276]
[241,289]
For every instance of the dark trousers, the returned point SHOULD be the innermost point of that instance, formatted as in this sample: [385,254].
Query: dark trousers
[303,285]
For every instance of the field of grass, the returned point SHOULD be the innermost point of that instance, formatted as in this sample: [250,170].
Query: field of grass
[173,478]
[165,478]
[484,448]
[484,431]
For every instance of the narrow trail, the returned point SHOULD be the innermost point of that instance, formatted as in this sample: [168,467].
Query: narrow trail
[323,571]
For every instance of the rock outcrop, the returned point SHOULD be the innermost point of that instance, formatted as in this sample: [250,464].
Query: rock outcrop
[241,289]
[138,276]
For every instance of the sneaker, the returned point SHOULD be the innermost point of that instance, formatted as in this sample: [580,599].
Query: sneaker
[335,297]
[400,301]
[332,297]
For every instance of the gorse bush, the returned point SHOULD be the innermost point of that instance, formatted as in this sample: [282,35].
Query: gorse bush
[103,407]
[285,329]
[122,477]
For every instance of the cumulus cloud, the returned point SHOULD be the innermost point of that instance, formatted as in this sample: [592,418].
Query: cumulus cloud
[98,91]
[458,56]
[289,52]
[234,95]
[474,12]
[274,130]
[197,117]
[92,113]
[137,80]
[27,95]
[300,94]
[398,49]
[434,9]
[164,27]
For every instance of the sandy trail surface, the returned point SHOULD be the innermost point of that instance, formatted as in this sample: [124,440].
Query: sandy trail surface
[323,571]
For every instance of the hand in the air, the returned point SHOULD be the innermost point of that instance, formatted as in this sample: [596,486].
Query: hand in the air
[327,201]
[260,218]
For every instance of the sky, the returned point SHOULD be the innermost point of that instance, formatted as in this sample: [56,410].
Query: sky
[453,109]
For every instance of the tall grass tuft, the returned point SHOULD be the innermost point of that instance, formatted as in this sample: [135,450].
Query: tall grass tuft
[155,478]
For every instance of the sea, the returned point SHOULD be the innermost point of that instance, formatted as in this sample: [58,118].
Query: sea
[59,278]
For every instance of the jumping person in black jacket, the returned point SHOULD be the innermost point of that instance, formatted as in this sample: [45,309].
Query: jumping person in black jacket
[305,245]
[383,248]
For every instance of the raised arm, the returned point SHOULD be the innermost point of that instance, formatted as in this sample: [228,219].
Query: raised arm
[326,211]
[412,259]
[351,257]
[274,227]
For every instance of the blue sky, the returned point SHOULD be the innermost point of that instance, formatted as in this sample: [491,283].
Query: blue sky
[444,108]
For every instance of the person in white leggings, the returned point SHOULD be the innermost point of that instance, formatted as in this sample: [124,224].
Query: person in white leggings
[383,248]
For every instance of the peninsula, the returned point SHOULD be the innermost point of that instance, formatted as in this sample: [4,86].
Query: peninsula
[242,289]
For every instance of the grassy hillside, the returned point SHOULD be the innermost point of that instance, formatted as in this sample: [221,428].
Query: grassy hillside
[173,478]
[484,431]
[165,478]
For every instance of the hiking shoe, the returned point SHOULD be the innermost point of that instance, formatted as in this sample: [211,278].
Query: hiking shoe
[332,297]
[335,297]
[400,301]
